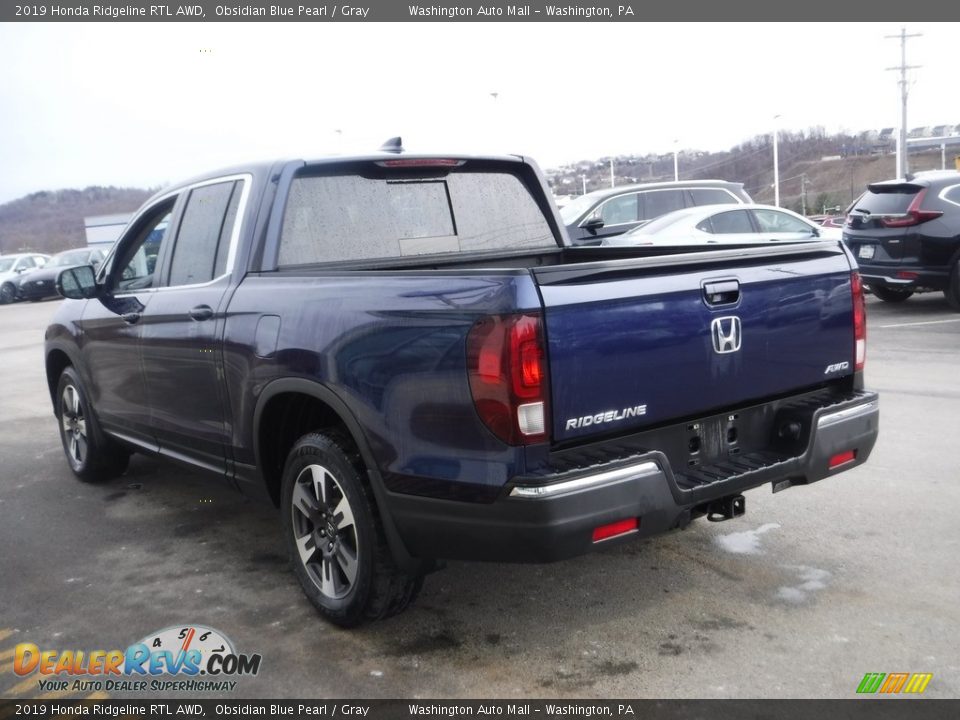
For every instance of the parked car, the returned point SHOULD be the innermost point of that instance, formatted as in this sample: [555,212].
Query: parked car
[41,283]
[406,357]
[12,267]
[606,213]
[723,224]
[905,234]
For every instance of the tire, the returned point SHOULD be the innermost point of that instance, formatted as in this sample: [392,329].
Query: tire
[890,295]
[91,455]
[8,294]
[333,533]
[952,291]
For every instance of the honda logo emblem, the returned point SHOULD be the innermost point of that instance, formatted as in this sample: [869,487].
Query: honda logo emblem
[726,334]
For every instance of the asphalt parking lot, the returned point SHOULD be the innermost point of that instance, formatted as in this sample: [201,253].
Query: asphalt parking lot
[808,591]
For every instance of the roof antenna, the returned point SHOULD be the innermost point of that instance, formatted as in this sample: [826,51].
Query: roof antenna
[393,145]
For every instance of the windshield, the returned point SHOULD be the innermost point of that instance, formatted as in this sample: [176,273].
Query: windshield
[576,208]
[68,259]
[6,264]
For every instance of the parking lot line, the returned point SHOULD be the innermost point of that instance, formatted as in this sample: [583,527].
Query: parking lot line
[5,633]
[925,322]
[7,654]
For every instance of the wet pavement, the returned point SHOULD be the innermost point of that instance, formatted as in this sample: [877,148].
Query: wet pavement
[800,597]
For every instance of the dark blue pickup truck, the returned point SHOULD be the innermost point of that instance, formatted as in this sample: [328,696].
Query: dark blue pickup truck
[407,357]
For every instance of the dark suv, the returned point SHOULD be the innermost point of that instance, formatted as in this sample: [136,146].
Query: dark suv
[905,235]
[605,213]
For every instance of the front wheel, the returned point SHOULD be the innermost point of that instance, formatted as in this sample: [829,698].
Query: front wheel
[8,293]
[333,533]
[890,295]
[92,456]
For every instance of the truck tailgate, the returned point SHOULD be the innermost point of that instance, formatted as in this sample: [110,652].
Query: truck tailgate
[641,341]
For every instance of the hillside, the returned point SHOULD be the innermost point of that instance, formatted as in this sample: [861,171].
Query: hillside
[52,221]
[816,170]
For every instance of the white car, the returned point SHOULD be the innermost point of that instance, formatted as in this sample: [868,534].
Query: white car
[11,267]
[737,224]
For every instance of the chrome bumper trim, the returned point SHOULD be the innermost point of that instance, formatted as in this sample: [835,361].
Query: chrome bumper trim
[848,413]
[588,482]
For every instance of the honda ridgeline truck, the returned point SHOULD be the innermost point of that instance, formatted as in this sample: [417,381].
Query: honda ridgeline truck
[406,355]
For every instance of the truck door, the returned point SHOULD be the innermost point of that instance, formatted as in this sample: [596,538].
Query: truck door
[182,327]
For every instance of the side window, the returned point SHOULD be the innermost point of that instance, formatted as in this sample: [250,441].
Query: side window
[25,263]
[619,210]
[135,267]
[711,196]
[727,223]
[203,240]
[778,222]
[660,202]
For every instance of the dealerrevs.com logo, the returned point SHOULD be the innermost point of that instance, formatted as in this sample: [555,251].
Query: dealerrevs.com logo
[183,652]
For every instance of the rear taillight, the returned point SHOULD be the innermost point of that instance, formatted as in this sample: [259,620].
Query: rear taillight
[913,216]
[506,361]
[859,321]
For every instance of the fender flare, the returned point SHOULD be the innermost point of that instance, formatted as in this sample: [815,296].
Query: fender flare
[342,410]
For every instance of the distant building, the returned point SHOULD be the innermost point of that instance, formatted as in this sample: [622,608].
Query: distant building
[103,230]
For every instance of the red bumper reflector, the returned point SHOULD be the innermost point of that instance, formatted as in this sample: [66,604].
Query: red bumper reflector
[621,527]
[842,459]
[907,275]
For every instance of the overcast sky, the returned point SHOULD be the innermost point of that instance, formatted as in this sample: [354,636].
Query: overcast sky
[143,104]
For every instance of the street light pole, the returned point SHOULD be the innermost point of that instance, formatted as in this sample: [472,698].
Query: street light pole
[584,179]
[676,162]
[776,164]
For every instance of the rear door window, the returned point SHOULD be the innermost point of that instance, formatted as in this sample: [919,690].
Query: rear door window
[199,254]
[660,202]
[778,222]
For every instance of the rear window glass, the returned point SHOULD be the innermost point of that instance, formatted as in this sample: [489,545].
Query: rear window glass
[888,202]
[334,218]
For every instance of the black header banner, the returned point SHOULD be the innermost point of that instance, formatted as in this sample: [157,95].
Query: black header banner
[469,11]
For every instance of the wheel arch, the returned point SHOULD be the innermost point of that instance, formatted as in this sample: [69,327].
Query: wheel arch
[287,409]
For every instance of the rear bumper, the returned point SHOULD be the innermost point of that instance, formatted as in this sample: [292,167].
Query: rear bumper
[553,518]
[921,277]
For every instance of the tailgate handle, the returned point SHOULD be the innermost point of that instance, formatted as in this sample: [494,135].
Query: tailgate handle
[721,292]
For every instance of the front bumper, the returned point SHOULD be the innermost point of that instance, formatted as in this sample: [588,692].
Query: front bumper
[550,518]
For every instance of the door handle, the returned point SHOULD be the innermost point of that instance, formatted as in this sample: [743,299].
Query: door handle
[723,292]
[201,312]
[131,318]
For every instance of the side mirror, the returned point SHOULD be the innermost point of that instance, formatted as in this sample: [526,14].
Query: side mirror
[815,232]
[77,283]
[593,222]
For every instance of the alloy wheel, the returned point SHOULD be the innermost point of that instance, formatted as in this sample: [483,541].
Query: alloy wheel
[325,531]
[74,425]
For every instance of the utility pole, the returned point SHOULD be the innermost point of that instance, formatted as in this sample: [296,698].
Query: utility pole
[776,163]
[902,159]
[803,194]
[676,162]
[612,183]
[584,179]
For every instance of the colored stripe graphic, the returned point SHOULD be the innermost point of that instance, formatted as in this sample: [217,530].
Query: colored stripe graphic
[894,682]
[918,682]
[871,683]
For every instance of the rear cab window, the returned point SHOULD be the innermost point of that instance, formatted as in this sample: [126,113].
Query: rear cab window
[336,216]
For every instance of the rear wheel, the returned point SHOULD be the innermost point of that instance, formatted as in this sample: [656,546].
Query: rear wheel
[952,291]
[92,456]
[889,294]
[333,532]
